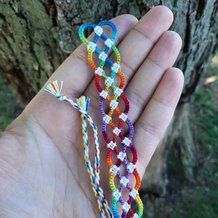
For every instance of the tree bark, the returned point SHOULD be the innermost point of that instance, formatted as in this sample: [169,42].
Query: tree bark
[28,53]
[36,36]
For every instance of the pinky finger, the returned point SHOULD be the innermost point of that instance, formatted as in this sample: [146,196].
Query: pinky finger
[157,115]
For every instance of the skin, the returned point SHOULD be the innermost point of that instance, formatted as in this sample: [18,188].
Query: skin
[42,172]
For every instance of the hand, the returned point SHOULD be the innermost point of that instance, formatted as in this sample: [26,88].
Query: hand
[42,172]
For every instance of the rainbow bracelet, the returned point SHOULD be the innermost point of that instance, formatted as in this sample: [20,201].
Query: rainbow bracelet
[82,105]
[124,189]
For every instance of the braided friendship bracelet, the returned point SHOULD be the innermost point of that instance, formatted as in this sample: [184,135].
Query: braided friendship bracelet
[124,187]
[82,105]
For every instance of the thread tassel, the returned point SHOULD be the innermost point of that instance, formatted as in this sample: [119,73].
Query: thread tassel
[55,88]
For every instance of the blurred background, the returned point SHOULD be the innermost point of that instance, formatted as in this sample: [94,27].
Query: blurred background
[182,178]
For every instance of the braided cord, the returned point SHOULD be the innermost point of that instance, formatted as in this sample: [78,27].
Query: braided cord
[108,119]
[82,105]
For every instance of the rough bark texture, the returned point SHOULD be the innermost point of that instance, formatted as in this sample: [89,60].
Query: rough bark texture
[35,37]
[29,52]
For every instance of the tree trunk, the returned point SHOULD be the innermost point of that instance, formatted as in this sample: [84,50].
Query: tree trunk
[36,36]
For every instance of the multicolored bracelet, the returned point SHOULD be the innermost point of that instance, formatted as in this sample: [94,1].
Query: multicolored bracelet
[82,105]
[123,183]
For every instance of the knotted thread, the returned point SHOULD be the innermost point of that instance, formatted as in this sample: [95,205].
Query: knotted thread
[82,105]
[108,119]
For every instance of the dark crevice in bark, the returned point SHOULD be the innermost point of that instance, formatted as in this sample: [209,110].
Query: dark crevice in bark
[187,35]
[51,9]
[200,9]
[2,17]
[115,7]
[194,82]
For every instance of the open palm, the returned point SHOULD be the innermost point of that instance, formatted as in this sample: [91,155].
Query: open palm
[42,172]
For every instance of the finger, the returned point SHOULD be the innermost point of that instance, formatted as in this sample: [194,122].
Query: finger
[144,82]
[138,43]
[157,115]
[75,71]
[140,40]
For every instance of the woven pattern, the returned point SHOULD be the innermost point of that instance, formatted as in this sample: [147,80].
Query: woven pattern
[82,105]
[124,187]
